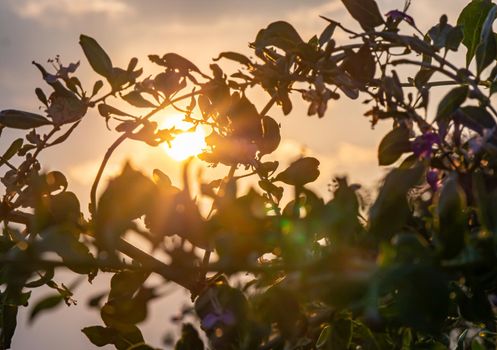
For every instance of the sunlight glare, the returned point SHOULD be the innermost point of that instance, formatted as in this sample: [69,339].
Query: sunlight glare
[186,144]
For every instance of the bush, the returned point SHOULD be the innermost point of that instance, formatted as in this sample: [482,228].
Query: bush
[416,269]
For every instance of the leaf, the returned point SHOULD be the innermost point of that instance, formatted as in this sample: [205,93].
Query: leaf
[99,336]
[327,33]
[454,38]
[280,34]
[106,110]
[366,12]
[136,99]
[235,56]
[271,136]
[393,145]
[13,118]
[127,338]
[440,33]
[451,102]
[391,209]
[300,172]
[44,279]
[96,87]
[451,218]
[190,339]
[471,19]
[487,49]
[361,65]
[134,192]
[97,57]
[45,304]
[41,96]
[475,118]
[11,151]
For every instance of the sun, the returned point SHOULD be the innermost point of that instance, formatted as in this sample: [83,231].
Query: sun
[186,144]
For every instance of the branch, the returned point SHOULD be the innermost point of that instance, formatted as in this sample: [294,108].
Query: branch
[120,139]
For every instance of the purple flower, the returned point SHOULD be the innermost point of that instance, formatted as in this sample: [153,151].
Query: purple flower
[209,321]
[423,144]
[397,15]
[432,177]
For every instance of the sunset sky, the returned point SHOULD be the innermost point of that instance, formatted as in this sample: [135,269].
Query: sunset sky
[40,29]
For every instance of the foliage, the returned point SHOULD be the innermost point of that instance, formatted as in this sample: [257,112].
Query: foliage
[415,270]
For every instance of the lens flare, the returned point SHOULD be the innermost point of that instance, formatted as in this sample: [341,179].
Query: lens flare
[186,144]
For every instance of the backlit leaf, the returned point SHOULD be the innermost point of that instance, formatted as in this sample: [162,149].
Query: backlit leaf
[13,118]
[97,57]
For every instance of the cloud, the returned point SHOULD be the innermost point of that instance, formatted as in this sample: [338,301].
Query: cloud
[61,11]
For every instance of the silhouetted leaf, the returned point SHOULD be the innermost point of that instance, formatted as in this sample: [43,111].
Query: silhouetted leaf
[454,38]
[45,304]
[16,119]
[486,51]
[235,56]
[271,136]
[300,172]
[439,34]
[471,20]
[327,33]
[11,151]
[451,216]
[451,102]
[66,109]
[96,87]
[280,34]
[391,210]
[475,118]
[106,111]
[393,145]
[134,192]
[366,12]
[97,57]
[41,96]
[190,340]
[123,339]
[136,99]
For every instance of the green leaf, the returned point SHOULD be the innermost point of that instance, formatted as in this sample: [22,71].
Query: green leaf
[45,304]
[300,172]
[471,19]
[11,151]
[393,145]
[391,209]
[280,34]
[487,49]
[97,57]
[452,222]
[366,12]
[134,193]
[336,336]
[13,118]
[136,99]
[451,102]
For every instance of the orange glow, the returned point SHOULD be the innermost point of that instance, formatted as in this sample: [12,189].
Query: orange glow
[188,143]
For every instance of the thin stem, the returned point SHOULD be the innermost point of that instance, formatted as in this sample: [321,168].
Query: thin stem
[120,139]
